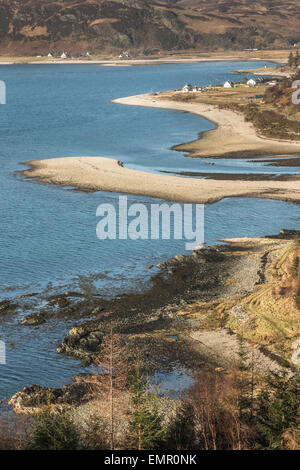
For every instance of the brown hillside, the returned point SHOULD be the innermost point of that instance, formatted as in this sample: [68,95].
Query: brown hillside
[29,27]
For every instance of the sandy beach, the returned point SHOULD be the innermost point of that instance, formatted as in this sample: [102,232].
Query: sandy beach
[233,134]
[104,174]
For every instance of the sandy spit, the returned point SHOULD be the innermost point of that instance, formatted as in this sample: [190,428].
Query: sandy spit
[104,174]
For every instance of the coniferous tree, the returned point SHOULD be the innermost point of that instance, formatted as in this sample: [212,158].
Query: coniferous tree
[279,410]
[245,382]
[181,431]
[53,431]
[147,426]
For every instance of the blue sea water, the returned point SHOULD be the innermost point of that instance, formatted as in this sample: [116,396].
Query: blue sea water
[48,234]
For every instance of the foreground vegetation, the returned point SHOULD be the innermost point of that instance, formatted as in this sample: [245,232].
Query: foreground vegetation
[242,405]
[235,410]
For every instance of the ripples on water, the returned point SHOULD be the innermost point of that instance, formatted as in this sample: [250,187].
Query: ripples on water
[48,234]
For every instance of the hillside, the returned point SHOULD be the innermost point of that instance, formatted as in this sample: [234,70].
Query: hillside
[31,27]
[280,97]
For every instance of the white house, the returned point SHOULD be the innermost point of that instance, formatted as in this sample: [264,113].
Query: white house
[228,84]
[188,88]
[124,55]
[63,56]
[50,55]
[252,82]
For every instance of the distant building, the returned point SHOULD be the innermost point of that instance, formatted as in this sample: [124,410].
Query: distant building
[252,82]
[124,55]
[50,55]
[88,54]
[63,56]
[228,84]
[188,88]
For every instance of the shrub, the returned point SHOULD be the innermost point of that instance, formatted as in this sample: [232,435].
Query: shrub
[53,431]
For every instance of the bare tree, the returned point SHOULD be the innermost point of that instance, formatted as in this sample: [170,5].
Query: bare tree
[112,375]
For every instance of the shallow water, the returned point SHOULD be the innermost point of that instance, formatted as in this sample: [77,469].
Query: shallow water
[48,234]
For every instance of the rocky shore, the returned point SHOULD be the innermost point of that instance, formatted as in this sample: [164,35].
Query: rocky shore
[189,318]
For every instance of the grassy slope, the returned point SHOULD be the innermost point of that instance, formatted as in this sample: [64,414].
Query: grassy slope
[273,315]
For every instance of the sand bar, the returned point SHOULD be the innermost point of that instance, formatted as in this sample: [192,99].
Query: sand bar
[105,174]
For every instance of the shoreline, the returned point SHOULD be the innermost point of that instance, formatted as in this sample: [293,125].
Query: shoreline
[234,56]
[179,313]
[236,135]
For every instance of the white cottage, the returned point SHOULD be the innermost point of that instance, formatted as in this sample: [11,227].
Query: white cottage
[187,88]
[228,84]
[252,82]
[50,55]
[63,56]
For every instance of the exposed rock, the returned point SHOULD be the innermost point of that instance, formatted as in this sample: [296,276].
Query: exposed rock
[82,343]
[241,315]
[31,399]
[285,234]
[33,320]
[24,296]
[7,306]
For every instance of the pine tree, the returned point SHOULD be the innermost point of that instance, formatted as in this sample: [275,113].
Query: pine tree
[147,427]
[181,431]
[53,431]
[278,410]
[245,382]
